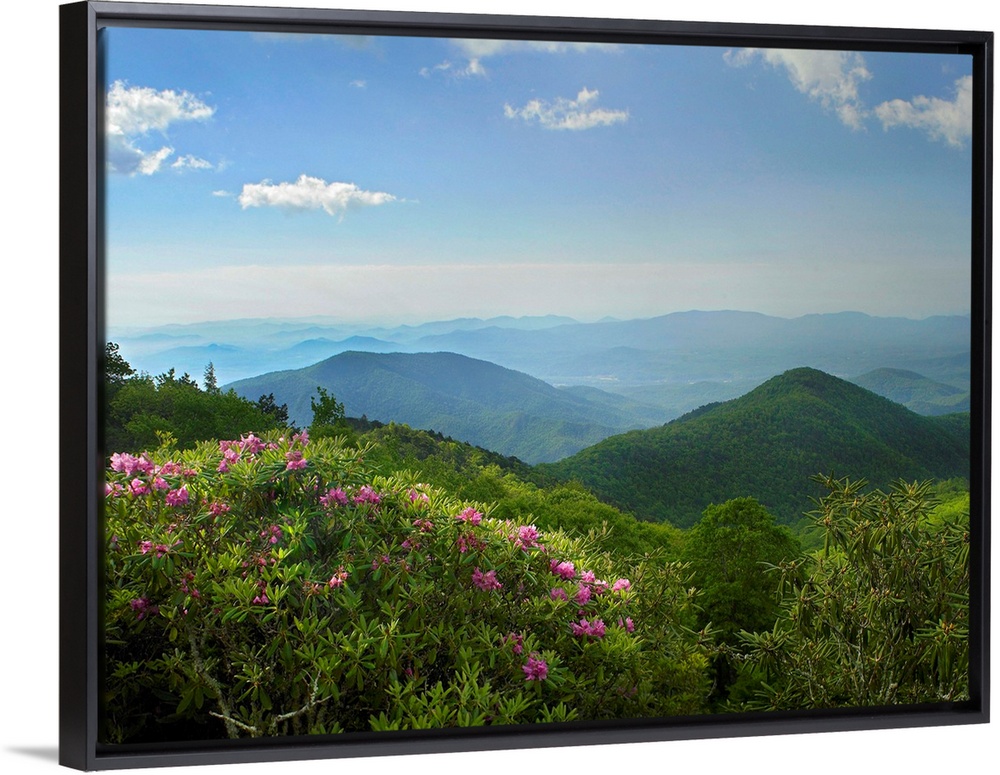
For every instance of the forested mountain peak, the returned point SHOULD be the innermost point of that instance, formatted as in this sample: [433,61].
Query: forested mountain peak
[768,443]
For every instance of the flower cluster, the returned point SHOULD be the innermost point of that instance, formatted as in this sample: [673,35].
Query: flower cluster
[338,578]
[486,581]
[526,537]
[367,494]
[470,516]
[591,629]
[535,669]
[563,570]
[178,497]
[335,497]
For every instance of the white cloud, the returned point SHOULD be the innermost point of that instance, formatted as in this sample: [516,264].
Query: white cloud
[829,77]
[193,162]
[132,112]
[221,192]
[473,67]
[309,193]
[359,83]
[476,50]
[948,120]
[575,114]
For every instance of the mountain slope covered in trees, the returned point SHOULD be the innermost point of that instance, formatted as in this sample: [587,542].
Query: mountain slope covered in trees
[471,400]
[768,444]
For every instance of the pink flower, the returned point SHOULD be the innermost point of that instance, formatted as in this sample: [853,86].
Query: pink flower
[563,570]
[558,593]
[178,497]
[129,464]
[138,486]
[121,462]
[583,628]
[142,607]
[621,584]
[160,483]
[516,639]
[486,581]
[423,525]
[216,508]
[366,494]
[338,578]
[145,546]
[527,536]
[535,669]
[335,497]
[582,596]
[301,438]
[627,624]
[168,469]
[272,534]
[251,444]
[471,516]
[418,496]
[261,599]
[295,460]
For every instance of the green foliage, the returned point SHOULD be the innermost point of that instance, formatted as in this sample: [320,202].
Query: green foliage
[268,586]
[730,550]
[327,415]
[268,405]
[880,615]
[116,369]
[515,490]
[210,381]
[139,409]
[767,444]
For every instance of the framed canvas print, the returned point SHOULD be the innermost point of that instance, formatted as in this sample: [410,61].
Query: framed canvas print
[448,382]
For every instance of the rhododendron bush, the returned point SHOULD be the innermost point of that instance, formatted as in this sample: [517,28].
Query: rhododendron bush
[279,585]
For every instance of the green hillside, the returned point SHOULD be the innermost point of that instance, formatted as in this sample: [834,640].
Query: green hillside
[509,489]
[471,400]
[767,444]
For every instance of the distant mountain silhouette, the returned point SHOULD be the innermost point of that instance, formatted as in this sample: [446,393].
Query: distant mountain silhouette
[471,400]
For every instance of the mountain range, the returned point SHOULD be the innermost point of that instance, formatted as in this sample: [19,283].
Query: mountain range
[675,362]
[472,400]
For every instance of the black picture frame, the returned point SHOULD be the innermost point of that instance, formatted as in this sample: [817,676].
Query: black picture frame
[80,376]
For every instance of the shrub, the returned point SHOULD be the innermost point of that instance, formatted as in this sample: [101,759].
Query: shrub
[276,585]
[880,615]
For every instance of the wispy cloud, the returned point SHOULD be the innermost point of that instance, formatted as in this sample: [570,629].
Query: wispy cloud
[831,78]
[309,193]
[564,113]
[471,68]
[133,112]
[191,162]
[476,50]
[947,120]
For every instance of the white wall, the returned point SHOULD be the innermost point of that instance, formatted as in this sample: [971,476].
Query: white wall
[29,484]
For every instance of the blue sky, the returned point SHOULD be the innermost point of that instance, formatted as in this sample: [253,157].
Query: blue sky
[392,180]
